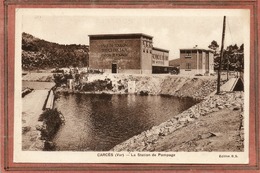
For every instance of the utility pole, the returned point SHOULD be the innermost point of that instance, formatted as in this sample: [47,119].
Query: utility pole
[221,55]
[227,66]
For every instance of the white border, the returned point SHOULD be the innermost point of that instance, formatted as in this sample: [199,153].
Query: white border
[92,157]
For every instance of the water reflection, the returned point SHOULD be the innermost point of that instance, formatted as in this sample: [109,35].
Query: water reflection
[99,122]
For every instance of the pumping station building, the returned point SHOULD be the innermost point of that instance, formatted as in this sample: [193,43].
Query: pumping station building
[194,61]
[127,53]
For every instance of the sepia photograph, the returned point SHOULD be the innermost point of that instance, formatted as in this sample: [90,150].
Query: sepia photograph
[132,85]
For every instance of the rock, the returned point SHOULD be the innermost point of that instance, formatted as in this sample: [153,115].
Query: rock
[26,129]
[203,114]
[228,105]
[206,109]
[212,105]
[233,103]
[152,139]
[162,134]
[155,131]
[214,109]
[221,107]
[39,127]
[37,146]
[183,119]
[191,115]
[206,135]
[195,116]
[236,108]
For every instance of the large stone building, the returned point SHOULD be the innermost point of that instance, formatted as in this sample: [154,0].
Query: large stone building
[126,53]
[195,61]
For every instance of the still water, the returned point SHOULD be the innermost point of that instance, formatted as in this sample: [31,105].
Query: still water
[99,122]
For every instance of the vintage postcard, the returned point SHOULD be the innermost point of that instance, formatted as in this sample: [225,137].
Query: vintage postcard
[125,85]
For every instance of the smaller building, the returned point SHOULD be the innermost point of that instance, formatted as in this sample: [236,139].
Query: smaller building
[196,61]
[160,60]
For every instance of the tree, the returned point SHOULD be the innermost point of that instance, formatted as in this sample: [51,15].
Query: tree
[233,58]
[214,46]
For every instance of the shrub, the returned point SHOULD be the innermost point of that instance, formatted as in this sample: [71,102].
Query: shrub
[52,120]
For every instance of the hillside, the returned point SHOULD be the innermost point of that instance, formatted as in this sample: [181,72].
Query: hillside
[41,54]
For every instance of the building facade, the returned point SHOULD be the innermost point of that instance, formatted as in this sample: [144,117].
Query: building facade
[196,61]
[160,60]
[125,53]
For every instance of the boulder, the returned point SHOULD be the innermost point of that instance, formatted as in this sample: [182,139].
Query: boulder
[221,107]
[236,108]
[206,135]
[26,129]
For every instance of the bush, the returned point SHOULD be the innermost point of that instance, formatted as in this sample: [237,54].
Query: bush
[88,87]
[98,85]
[52,120]
[121,87]
[144,93]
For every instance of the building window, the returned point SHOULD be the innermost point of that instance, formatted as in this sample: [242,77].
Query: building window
[150,51]
[188,54]
[188,66]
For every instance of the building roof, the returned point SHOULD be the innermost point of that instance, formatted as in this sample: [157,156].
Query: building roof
[163,50]
[205,50]
[111,36]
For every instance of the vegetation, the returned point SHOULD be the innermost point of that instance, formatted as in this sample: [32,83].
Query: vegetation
[97,85]
[233,58]
[52,120]
[41,54]
[61,79]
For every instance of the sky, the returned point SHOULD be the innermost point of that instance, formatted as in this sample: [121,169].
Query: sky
[172,29]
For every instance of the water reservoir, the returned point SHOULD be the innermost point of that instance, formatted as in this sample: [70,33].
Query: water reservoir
[99,122]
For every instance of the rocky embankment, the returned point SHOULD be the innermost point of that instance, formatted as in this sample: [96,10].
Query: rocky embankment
[180,86]
[197,87]
[215,124]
